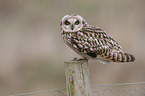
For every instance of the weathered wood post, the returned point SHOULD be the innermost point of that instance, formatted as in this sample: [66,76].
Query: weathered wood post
[77,78]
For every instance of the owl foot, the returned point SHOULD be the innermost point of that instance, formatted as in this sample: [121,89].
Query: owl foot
[79,58]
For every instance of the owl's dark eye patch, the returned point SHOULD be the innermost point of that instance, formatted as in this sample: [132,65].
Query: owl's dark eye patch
[66,22]
[61,24]
[77,22]
[83,22]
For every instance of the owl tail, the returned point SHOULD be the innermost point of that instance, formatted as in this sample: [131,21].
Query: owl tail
[118,56]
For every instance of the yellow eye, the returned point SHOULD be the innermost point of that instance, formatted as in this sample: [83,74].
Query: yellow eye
[67,23]
[77,22]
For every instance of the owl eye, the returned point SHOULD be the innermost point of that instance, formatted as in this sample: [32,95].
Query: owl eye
[67,23]
[77,22]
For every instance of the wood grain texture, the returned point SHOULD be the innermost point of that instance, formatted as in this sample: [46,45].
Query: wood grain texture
[77,78]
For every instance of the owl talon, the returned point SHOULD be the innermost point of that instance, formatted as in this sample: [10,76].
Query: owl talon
[75,59]
[80,58]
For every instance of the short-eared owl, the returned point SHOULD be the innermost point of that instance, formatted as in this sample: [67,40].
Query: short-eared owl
[91,42]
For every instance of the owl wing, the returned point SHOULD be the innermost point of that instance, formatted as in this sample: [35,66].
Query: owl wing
[100,39]
[104,46]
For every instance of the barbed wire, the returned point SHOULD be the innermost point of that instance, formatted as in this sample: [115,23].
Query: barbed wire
[140,91]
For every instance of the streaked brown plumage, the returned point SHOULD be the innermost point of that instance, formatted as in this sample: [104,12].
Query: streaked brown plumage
[91,42]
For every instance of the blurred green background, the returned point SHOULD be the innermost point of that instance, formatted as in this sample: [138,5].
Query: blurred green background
[32,52]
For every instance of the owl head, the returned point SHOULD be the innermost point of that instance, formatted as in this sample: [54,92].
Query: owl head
[72,23]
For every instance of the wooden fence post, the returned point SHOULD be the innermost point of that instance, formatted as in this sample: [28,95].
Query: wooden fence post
[77,78]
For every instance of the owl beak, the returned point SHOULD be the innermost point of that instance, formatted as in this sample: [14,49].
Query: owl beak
[72,27]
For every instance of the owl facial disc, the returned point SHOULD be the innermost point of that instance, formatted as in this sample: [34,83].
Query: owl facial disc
[72,23]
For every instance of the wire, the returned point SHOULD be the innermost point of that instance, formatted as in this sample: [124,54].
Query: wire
[58,90]
[118,84]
